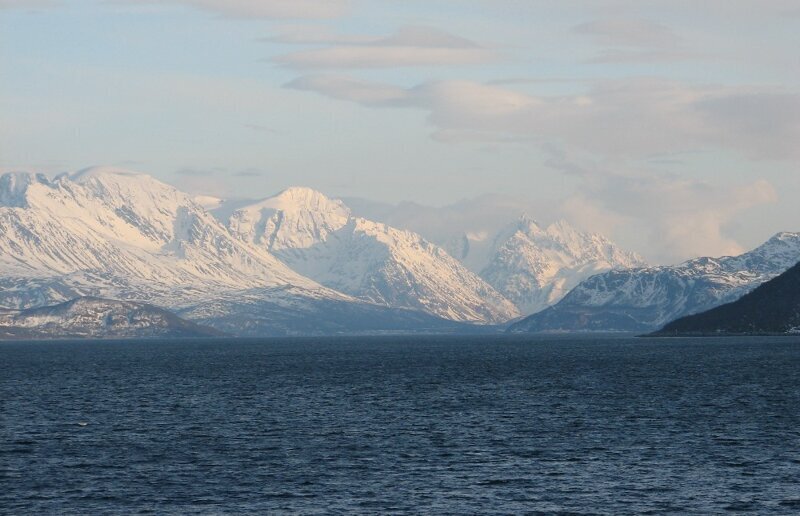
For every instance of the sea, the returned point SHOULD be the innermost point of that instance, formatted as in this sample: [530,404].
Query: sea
[401,425]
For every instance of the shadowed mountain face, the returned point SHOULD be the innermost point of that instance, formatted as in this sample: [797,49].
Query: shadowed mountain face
[773,307]
[644,299]
[89,317]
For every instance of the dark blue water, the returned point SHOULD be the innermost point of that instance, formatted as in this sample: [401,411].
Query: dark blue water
[417,425]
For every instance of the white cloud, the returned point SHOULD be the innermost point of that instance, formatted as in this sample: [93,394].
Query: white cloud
[313,34]
[410,46]
[352,90]
[632,118]
[278,9]
[27,4]
[628,32]
[611,126]
[673,217]
[619,55]
[632,40]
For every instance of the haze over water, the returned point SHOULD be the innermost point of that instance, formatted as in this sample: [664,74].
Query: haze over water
[401,424]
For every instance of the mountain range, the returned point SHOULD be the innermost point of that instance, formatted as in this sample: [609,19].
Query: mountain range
[772,308]
[320,239]
[535,267]
[644,299]
[531,264]
[301,263]
[295,263]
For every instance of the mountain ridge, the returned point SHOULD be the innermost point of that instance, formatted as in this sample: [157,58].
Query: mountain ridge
[92,317]
[535,267]
[644,299]
[771,308]
[318,237]
[117,234]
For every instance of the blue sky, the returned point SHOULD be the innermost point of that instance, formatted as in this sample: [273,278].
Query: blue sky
[670,125]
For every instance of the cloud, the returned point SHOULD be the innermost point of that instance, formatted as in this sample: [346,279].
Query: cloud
[672,217]
[678,217]
[250,172]
[276,9]
[196,172]
[631,40]
[27,4]
[314,35]
[631,118]
[353,90]
[628,32]
[217,171]
[768,121]
[617,55]
[260,128]
[410,46]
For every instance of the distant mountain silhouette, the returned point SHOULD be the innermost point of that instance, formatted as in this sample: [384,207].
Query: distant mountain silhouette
[773,307]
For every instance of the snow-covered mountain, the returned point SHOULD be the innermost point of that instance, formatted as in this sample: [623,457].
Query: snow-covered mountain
[644,299]
[112,233]
[116,234]
[771,308]
[93,317]
[535,267]
[532,265]
[319,238]
[467,229]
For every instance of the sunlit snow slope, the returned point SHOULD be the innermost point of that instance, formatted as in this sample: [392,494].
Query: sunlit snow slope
[319,238]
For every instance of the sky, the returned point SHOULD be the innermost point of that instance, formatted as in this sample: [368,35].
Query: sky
[671,126]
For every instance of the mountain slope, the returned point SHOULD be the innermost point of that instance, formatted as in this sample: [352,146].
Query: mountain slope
[646,298]
[256,313]
[535,267]
[531,265]
[116,234]
[88,317]
[773,307]
[113,233]
[319,238]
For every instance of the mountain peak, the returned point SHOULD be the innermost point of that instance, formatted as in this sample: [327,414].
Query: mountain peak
[526,222]
[784,236]
[296,218]
[776,243]
[103,172]
[301,198]
[562,226]
[128,183]
[535,267]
